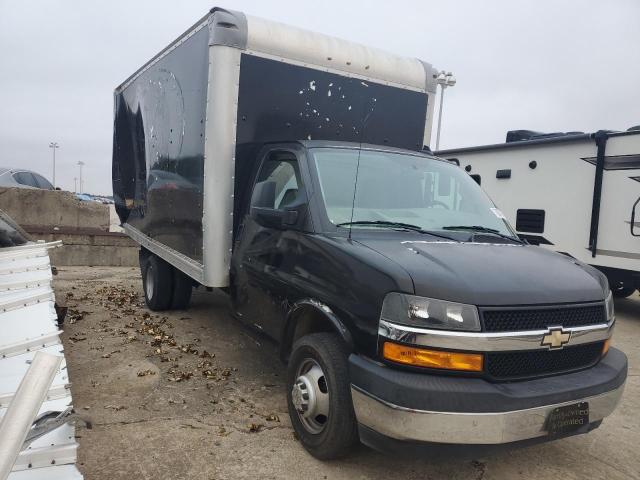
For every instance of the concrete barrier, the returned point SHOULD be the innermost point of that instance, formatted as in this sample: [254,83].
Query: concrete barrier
[88,247]
[82,226]
[52,208]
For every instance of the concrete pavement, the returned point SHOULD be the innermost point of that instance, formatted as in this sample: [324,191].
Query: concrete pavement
[160,407]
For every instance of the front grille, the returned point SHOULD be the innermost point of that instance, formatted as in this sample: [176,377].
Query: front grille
[542,318]
[538,363]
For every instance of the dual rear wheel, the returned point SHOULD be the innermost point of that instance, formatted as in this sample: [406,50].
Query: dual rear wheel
[165,287]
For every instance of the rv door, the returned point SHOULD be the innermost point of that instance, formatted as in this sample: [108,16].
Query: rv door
[633,224]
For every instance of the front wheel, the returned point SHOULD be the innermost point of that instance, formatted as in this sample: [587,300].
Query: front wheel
[319,396]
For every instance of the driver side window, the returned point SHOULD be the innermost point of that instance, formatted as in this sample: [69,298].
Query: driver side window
[278,184]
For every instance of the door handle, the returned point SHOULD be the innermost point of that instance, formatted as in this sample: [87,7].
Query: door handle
[633,218]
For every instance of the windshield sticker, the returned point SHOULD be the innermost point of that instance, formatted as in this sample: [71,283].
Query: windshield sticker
[498,213]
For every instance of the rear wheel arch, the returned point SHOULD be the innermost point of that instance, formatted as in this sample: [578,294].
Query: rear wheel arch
[311,316]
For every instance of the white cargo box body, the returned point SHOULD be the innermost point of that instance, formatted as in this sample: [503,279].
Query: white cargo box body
[548,189]
[188,123]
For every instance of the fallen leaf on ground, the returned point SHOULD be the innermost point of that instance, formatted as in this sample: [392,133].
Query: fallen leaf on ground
[255,427]
[115,408]
[108,355]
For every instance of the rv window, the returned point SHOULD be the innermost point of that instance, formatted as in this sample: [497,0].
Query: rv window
[530,220]
[284,175]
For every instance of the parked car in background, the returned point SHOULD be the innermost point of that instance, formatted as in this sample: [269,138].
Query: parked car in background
[15,177]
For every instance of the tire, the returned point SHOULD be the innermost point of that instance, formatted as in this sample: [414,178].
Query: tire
[330,436]
[622,292]
[157,281]
[182,288]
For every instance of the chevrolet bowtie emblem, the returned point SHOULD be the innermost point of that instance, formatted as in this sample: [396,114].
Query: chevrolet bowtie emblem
[555,339]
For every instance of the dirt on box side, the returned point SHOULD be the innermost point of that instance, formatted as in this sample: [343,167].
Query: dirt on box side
[194,394]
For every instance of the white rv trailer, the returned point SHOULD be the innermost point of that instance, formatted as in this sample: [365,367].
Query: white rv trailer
[575,193]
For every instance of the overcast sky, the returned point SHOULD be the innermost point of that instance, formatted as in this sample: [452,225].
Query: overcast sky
[546,65]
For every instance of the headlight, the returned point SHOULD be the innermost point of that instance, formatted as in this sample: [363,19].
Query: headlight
[429,313]
[608,303]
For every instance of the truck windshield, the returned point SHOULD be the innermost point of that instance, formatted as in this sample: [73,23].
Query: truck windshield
[395,189]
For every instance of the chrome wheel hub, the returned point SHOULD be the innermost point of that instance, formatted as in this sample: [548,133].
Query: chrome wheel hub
[310,396]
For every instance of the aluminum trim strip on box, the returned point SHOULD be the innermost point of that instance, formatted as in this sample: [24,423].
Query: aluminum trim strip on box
[290,43]
[219,164]
[181,262]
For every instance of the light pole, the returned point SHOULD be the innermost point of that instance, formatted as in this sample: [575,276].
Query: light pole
[53,146]
[75,184]
[444,79]
[80,164]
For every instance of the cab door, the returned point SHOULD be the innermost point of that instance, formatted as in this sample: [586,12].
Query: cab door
[264,255]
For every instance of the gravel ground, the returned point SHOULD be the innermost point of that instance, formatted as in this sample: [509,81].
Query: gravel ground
[194,394]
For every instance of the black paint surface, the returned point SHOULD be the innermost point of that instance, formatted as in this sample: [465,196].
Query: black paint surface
[158,148]
[280,102]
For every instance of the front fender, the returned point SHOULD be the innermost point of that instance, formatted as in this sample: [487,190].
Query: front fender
[317,316]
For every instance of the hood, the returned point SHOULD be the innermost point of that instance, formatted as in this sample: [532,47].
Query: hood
[491,274]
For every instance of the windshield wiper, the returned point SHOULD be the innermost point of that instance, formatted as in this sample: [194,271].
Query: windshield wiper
[406,226]
[382,223]
[479,228]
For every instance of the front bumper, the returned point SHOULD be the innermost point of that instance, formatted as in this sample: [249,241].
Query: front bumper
[420,407]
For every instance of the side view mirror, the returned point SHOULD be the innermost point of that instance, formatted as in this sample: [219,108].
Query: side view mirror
[268,217]
[291,216]
[264,195]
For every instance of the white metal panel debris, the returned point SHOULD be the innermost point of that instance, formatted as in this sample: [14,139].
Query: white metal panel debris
[28,324]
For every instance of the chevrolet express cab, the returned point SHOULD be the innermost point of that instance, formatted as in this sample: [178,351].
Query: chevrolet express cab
[289,169]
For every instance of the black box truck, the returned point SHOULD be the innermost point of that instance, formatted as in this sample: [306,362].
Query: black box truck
[289,169]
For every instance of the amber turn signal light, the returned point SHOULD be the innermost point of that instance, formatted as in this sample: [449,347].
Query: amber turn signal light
[605,347]
[421,357]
